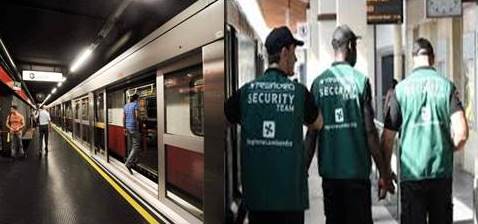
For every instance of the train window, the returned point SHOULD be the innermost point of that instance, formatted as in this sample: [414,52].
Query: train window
[77,110]
[68,111]
[99,108]
[151,107]
[196,103]
[84,109]
[184,102]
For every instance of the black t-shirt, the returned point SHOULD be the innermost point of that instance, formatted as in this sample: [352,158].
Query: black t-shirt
[393,118]
[232,108]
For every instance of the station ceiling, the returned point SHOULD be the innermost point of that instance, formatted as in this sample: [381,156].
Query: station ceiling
[275,12]
[48,35]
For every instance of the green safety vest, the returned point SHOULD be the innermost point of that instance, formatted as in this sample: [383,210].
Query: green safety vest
[343,149]
[425,139]
[272,150]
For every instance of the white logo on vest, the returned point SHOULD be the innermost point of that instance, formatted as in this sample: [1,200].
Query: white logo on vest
[268,129]
[339,115]
[426,114]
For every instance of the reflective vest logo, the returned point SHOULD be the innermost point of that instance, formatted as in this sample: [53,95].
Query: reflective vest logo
[339,115]
[268,129]
[426,114]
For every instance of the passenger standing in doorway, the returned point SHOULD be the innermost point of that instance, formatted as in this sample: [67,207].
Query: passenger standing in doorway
[131,125]
[45,127]
[427,112]
[15,124]
[272,111]
[349,138]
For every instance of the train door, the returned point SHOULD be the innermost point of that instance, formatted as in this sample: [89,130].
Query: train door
[147,163]
[76,119]
[84,121]
[181,133]
[69,117]
[116,141]
[191,128]
[99,126]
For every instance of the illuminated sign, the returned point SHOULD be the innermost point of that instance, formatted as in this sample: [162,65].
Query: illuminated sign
[384,11]
[42,76]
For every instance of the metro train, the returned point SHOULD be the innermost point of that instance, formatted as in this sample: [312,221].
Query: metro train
[187,171]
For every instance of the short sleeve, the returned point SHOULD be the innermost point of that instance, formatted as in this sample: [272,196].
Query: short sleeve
[310,110]
[393,115]
[232,108]
[455,102]
[369,113]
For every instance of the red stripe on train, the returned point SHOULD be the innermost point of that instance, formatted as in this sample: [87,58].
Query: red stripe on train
[185,170]
[117,140]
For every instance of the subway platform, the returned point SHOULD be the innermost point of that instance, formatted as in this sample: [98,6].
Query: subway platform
[59,188]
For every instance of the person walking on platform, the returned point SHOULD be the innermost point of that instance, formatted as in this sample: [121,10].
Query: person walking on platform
[271,111]
[348,138]
[15,123]
[45,127]
[131,125]
[426,111]
[388,96]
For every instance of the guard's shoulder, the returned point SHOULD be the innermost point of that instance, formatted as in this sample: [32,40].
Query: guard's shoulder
[321,76]
[359,75]
[300,86]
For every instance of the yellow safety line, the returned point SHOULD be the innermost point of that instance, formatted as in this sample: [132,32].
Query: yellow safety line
[112,182]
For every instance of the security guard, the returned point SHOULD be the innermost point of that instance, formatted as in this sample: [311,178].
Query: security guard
[425,109]
[349,137]
[271,111]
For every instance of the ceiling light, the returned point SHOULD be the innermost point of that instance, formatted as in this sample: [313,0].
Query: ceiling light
[47,97]
[53,90]
[59,84]
[80,60]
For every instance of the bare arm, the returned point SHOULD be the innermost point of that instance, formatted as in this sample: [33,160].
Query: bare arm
[232,108]
[310,146]
[388,139]
[459,129]
[373,144]
[372,135]
[8,123]
[318,123]
[22,122]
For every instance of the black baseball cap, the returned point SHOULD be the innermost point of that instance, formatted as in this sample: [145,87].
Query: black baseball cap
[280,37]
[343,35]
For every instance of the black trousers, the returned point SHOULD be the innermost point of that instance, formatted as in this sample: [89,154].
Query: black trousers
[44,134]
[347,201]
[427,199]
[282,217]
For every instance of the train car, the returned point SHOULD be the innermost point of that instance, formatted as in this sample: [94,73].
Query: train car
[178,72]
[189,161]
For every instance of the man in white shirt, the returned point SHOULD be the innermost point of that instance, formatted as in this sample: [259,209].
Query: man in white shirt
[44,124]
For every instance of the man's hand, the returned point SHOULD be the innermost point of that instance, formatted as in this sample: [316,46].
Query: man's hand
[385,185]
